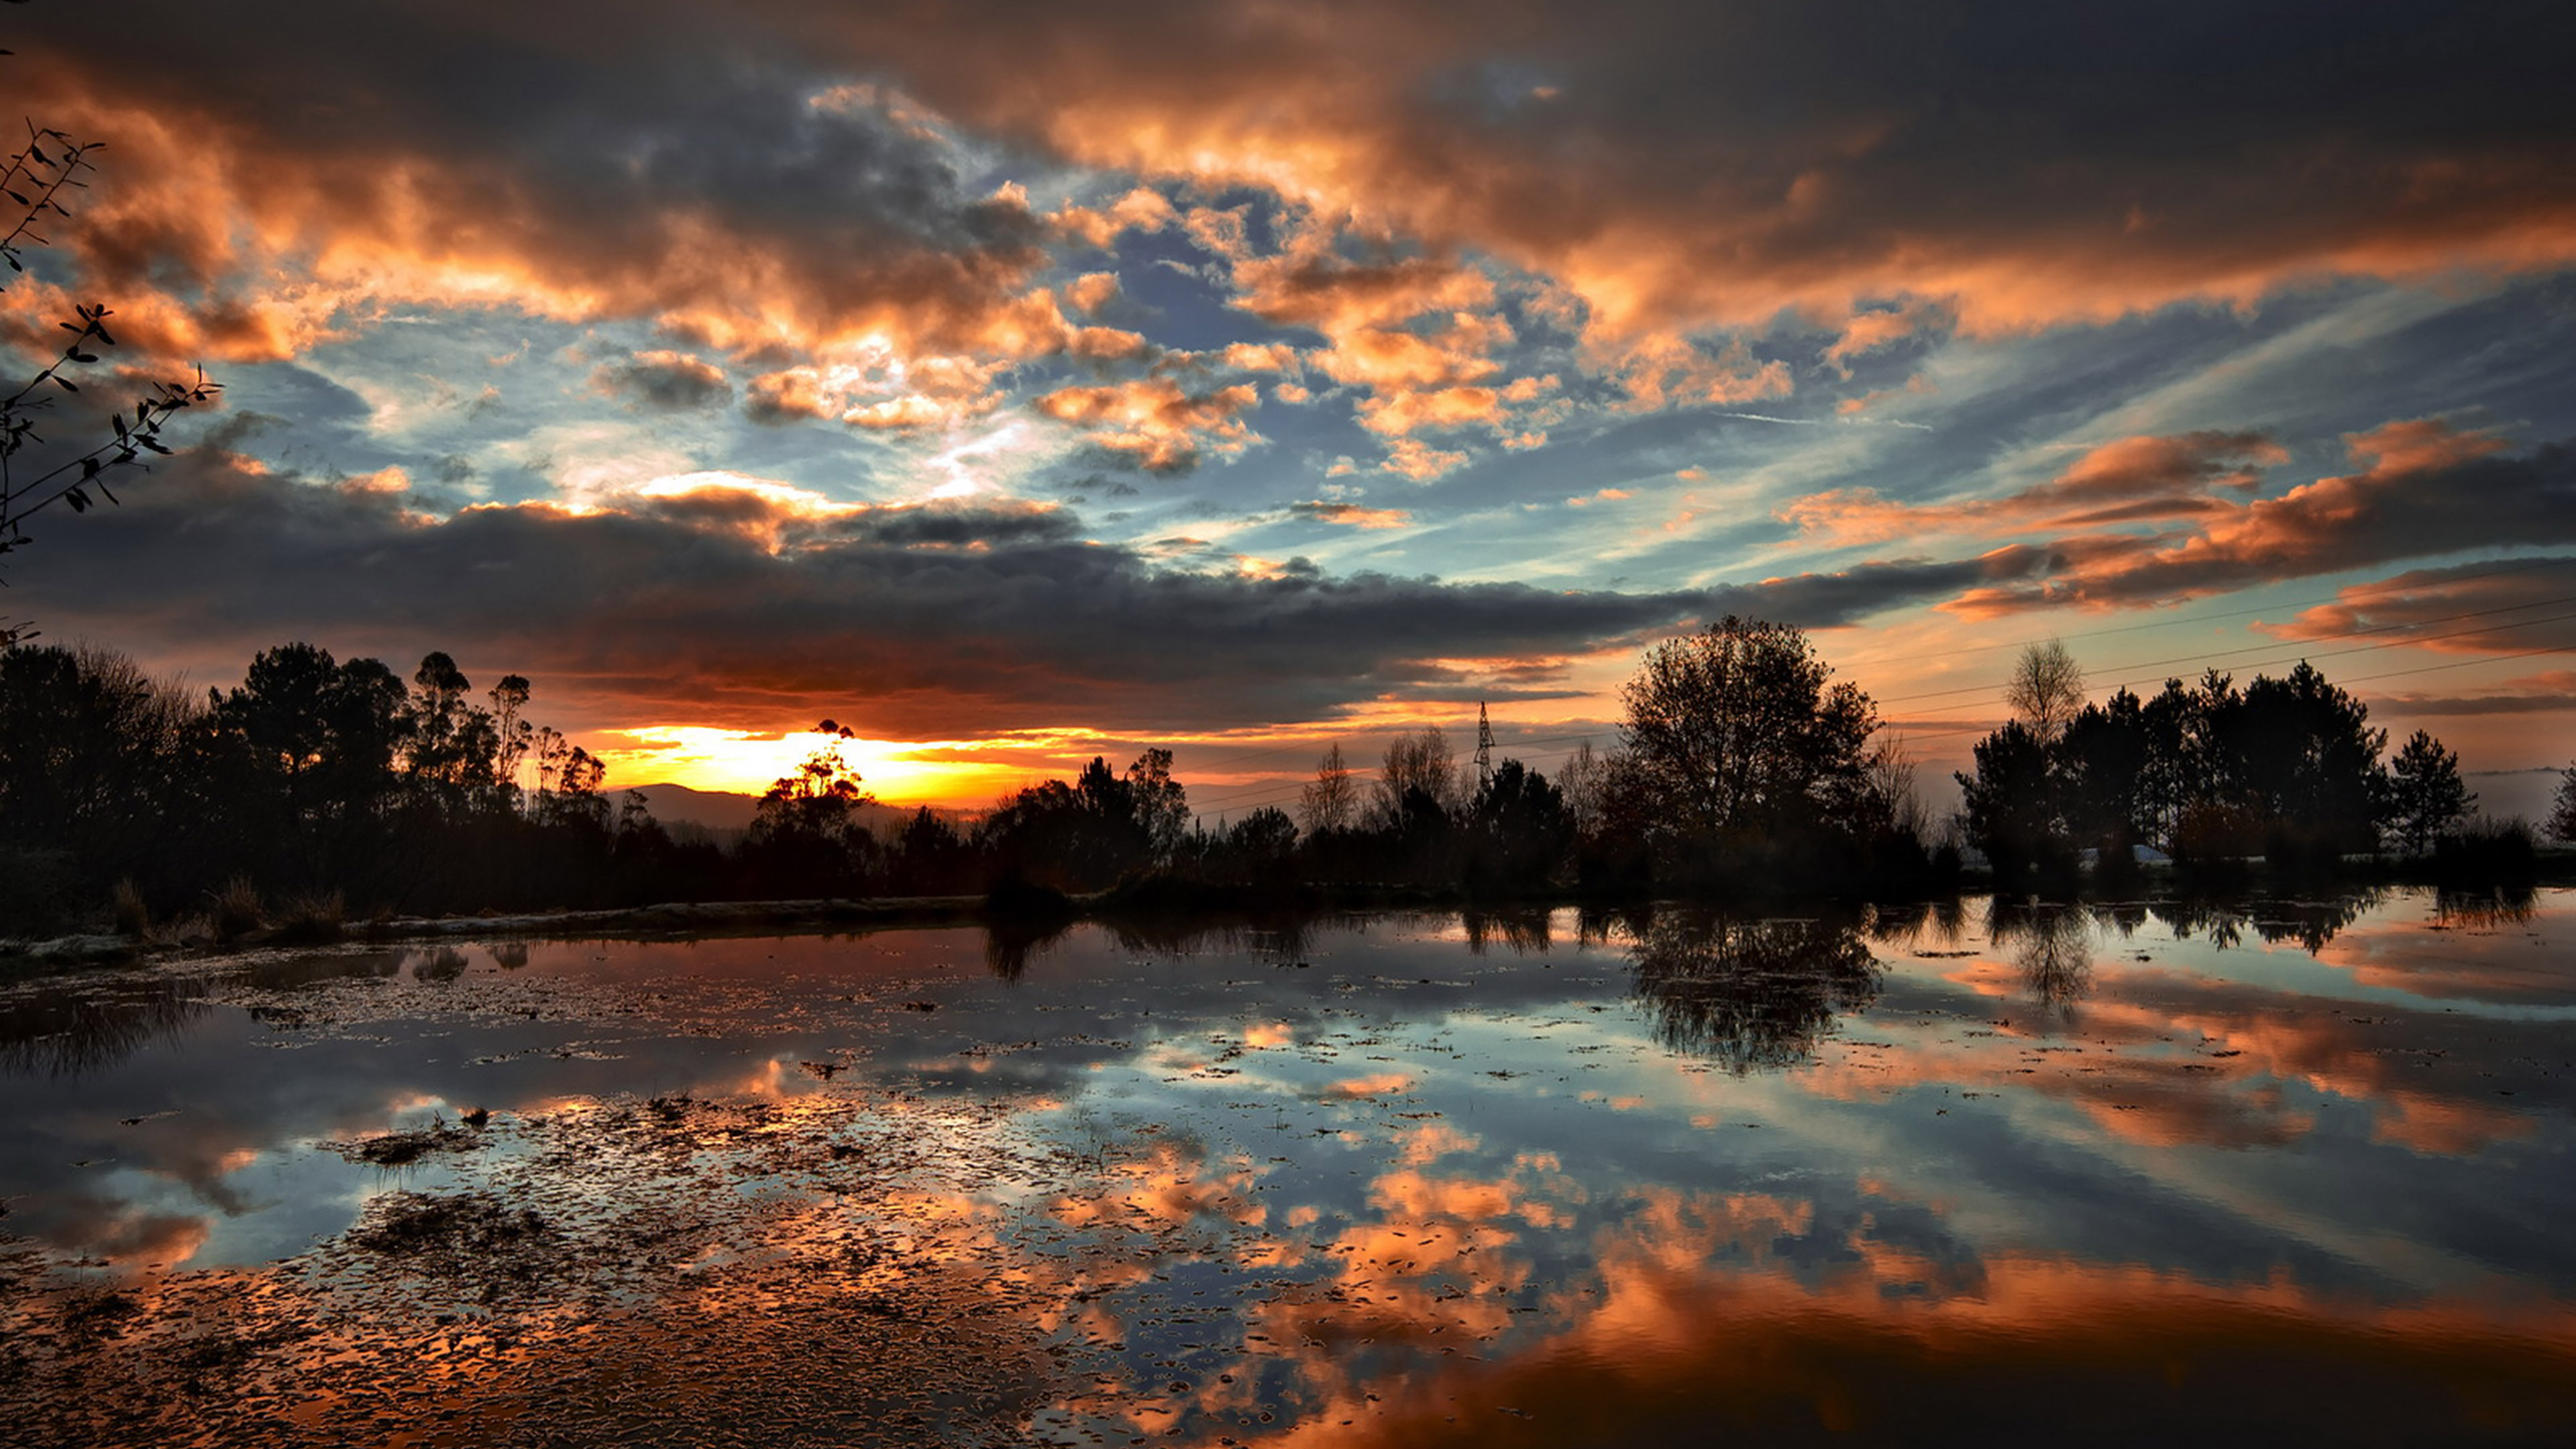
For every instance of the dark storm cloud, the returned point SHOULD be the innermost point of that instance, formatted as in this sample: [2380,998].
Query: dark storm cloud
[723,607]
[2038,160]
[1832,600]
[1674,162]
[638,159]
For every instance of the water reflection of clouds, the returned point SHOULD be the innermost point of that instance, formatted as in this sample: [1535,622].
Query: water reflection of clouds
[1598,1158]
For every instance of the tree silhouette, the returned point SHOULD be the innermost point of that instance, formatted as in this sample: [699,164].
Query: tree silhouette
[805,834]
[1259,849]
[2046,690]
[1159,804]
[2562,807]
[1734,742]
[2009,803]
[1518,829]
[2285,768]
[1417,763]
[318,741]
[93,760]
[929,857]
[1329,801]
[2300,751]
[1085,835]
[2102,774]
[2425,793]
[1582,779]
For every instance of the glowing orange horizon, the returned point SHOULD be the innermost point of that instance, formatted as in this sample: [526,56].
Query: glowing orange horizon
[1227,774]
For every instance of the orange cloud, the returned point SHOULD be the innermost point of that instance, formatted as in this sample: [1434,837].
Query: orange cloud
[2403,503]
[1668,181]
[1351,514]
[1092,290]
[2474,608]
[1155,423]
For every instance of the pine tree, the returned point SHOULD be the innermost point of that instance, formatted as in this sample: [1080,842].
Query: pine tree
[2425,795]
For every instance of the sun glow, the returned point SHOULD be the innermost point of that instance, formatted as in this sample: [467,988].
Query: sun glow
[747,761]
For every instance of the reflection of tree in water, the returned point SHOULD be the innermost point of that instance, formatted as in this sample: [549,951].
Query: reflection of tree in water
[2224,921]
[2485,910]
[1750,994]
[440,964]
[1523,931]
[1594,924]
[278,973]
[2124,917]
[1012,943]
[2053,946]
[1919,924]
[70,1032]
[1279,939]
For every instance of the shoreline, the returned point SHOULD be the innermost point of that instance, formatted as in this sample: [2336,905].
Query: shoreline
[1161,902]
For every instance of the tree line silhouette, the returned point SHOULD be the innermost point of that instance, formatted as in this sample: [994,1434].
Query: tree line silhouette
[2286,770]
[319,790]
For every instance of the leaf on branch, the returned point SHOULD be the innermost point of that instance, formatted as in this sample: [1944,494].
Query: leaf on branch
[65,383]
[77,499]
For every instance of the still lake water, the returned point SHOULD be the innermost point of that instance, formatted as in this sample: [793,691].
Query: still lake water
[1922,1176]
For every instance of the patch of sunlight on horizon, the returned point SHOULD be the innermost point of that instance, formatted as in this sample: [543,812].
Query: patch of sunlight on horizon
[746,762]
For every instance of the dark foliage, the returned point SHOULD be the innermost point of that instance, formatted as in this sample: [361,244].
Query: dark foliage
[2425,794]
[321,793]
[2483,852]
[1748,993]
[2562,808]
[2286,771]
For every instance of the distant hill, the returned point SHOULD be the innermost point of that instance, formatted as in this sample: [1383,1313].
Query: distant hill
[725,811]
[714,809]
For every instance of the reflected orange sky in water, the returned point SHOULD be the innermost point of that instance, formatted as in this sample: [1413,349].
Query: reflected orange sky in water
[1411,1195]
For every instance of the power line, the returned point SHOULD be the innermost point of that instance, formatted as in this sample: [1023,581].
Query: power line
[2205,661]
[1267,794]
[1505,746]
[2340,595]
[1283,799]
[2319,639]
[2334,654]
[2364,679]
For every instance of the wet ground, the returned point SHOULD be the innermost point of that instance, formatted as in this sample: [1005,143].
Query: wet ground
[1903,1176]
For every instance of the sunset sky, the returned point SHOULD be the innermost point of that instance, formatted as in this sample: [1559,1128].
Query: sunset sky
[1018,382]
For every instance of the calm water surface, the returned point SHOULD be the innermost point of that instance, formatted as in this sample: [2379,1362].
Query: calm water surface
[1919,1176]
